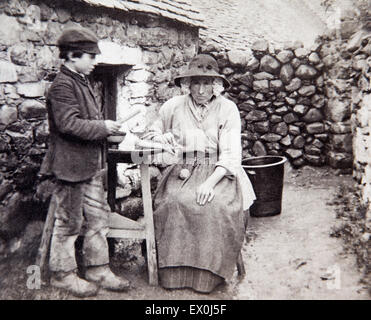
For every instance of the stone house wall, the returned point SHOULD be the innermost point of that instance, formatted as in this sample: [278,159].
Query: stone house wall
[156,48]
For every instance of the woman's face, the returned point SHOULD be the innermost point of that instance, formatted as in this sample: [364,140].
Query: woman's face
[201,89]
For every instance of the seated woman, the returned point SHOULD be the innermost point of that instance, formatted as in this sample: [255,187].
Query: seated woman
[199,202]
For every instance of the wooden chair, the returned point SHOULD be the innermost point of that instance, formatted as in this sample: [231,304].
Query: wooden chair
[122,227]
[240,266]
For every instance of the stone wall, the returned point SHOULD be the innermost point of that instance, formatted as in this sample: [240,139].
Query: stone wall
[281,99]
[360,47]
[346,54]
[156,48]
[338,83]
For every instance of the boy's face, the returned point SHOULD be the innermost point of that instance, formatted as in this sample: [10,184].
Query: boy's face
[85,64]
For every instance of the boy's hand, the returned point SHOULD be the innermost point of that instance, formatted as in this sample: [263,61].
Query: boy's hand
[112,126]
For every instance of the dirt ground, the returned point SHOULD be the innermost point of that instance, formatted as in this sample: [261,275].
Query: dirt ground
[288,256]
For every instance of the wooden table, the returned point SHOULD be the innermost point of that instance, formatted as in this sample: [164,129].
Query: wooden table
[122,227]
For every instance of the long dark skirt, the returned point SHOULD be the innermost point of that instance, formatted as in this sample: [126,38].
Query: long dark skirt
[199,280]
[204,239]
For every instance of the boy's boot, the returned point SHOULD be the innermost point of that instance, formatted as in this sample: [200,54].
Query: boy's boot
[73,284]
[106,278]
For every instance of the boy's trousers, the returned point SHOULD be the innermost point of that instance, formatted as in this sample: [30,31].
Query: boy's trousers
[81,209]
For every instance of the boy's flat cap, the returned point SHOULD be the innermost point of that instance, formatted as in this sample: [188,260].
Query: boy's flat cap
[79,38]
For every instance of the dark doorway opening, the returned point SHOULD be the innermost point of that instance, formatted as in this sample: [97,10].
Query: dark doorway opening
[104,82]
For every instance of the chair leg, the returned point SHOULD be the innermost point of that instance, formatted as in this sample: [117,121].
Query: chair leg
[150,233]
[44,248]
[240,265]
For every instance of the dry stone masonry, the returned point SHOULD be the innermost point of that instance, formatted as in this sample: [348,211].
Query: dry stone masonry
[346,53]
[281,99]
[338,82]
[360,46]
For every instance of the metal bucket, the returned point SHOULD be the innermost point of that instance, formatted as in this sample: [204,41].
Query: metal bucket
[266,175]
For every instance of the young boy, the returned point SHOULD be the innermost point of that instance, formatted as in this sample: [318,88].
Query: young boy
[77,133]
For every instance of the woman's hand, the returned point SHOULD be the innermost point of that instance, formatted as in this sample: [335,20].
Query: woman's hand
[168,140]
[204,193]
